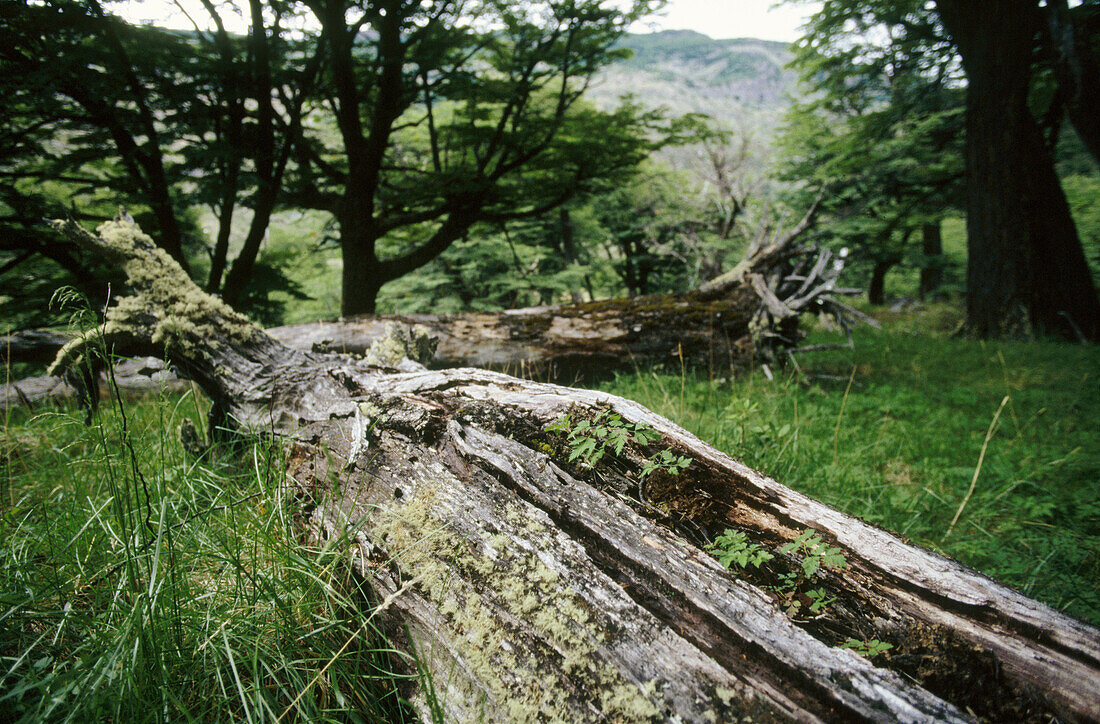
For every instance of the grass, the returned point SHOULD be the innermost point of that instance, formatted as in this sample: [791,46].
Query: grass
[138,584]
[893,431]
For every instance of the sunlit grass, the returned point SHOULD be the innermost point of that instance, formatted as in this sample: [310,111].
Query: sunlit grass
[900,447]
[157,587]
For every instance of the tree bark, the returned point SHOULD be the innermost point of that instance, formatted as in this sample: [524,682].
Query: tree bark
[1026,270]
[876,290]
[1072,34]
[931,271]
[31,345]
[530,588]
[361,274]
[568,249]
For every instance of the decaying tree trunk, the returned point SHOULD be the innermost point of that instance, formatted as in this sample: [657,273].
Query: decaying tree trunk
[535,589]
[130,376]
[32,345]
[748,314]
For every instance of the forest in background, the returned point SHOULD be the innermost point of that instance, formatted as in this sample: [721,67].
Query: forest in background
[717,138]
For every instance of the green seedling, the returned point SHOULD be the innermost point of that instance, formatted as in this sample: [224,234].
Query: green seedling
[820,599]
[869,649]
[816,554]
[733,548]
[590,441]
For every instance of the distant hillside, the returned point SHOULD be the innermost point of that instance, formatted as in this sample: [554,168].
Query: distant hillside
[739,81]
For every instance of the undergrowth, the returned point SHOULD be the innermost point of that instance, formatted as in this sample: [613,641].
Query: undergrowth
[139,584]
[893,430]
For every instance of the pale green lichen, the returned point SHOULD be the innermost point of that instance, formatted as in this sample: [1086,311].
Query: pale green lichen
[398,342]
[528,590]
[369,410]
[168,309]
[725,694]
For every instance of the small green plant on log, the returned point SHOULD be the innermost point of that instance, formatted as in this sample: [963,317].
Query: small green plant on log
[816,555]
[590,440]
[733,548]
[868,649]
[820,599]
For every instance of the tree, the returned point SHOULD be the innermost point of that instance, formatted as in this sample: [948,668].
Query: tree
[881,128]
[1026,272]
[160,120]
[97,93]
[1027,268]
[409,123]
[274,72]
[531,579]
[451,113]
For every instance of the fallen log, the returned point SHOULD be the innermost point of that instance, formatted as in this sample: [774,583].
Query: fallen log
[137,376]
[31,345]
[749,314]
[532,587]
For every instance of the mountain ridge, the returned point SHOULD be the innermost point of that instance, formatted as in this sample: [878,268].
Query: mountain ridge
[741,82]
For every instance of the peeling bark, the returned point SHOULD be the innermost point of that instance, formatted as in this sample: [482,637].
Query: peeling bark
[534,589]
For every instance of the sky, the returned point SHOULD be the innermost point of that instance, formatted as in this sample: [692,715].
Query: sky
[716,18]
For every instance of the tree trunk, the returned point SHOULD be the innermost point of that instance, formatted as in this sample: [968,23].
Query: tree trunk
[1026,269]
[568,249]
[931,271]
[31,345]
[529,588]
[361,274]
[220,255]
[876,290]
[133,378]
[1076,68]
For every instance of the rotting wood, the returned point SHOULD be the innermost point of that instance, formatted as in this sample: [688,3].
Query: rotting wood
[749,314]
[545,591]
[31,345]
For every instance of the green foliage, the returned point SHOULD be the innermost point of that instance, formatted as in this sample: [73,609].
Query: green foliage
[815,553]
[908,441]
[483,122]
[665,460]
[868,649]
[881,128]
[138,584]
[590,440]
[475,120]
[820,599]
[733,547]
[637,235]
[150,119]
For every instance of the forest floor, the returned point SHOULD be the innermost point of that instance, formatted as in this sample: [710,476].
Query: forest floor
[127,566]
[894,430]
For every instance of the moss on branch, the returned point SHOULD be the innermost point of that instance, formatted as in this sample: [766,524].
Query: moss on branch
[167,311]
